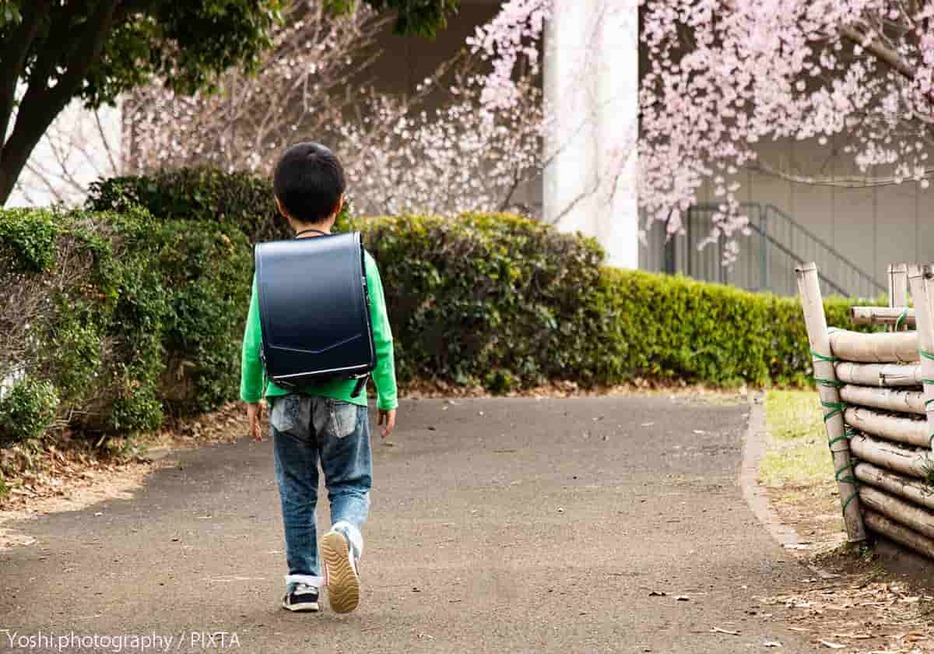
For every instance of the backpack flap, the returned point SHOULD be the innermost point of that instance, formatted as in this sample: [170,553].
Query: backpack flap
[314,309]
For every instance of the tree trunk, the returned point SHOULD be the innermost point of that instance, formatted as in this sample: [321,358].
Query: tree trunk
[41,104]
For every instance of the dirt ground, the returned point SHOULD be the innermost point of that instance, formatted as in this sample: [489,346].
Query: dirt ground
[851,602]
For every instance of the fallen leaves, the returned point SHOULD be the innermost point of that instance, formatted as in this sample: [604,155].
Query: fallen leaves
[719,630]
[831,645]
[862,614]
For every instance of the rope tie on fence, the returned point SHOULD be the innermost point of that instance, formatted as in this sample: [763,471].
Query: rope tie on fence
[830,383]
[848,433]
[850,479]
[850,499]
[824,357]
[901,318]
[836,408]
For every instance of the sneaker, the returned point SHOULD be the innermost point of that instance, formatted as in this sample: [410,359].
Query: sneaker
[340,570]
[303,598]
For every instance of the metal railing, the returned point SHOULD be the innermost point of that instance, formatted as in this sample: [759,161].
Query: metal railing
[776,243]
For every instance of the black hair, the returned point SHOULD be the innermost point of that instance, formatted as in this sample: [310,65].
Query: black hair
[309,182]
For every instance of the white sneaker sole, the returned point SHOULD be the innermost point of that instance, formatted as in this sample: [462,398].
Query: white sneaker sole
[343,582]
[301,607]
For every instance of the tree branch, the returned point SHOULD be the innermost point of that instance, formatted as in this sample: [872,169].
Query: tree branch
[880,51]
[41,104]
[848,182]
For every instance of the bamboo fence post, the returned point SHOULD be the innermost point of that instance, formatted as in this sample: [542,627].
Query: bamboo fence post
[815,321]
[893,428]
[919,279]
[905,461]
[898,292]
[888,399]
[897,509]
[895,347]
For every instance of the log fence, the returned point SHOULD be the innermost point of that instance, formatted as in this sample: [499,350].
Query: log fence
[877,394]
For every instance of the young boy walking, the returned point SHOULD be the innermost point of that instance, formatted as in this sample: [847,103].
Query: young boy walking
[322,422]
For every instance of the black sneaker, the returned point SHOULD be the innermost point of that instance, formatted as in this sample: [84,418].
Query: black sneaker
[303,599]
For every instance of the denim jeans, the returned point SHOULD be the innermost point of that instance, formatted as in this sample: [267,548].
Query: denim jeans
[305,430]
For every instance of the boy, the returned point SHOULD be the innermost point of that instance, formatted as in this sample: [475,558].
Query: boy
[320,422]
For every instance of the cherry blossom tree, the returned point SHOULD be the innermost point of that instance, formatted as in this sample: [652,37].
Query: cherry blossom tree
[457,157]
[439,150]
[725,75]
[722,76]
[302,85]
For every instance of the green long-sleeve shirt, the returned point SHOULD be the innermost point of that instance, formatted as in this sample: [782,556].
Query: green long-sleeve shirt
[384,376]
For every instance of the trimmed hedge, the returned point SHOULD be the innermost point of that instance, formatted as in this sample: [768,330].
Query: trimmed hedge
[495,300]
[238,199]
[127,314]
[123,315]
[507,302]
[664,327]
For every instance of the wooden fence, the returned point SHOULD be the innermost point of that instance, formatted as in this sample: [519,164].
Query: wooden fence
[877,395]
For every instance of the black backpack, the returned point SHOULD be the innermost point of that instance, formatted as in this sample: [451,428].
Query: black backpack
[314,310]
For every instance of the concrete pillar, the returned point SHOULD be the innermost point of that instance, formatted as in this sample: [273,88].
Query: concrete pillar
[591,102]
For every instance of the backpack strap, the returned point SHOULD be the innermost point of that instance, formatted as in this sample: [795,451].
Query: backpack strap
[360,385]
[312,230]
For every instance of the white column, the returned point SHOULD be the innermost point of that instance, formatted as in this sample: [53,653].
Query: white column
[591,98]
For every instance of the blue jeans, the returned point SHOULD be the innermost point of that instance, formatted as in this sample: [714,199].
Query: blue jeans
[305,430]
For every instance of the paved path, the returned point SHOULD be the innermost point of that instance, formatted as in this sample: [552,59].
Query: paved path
[497,526]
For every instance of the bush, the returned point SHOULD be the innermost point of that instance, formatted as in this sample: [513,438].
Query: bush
[239,199]
[486,299]
[507,302]
[201,194]
[495,300]
[208,270]
[124,315]
[662,327]
[27,410]
[79,311]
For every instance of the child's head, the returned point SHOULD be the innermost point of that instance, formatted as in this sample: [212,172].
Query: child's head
[309,185]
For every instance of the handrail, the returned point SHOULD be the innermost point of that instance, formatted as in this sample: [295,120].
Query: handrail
[833,251]
[798,260]
[767,211]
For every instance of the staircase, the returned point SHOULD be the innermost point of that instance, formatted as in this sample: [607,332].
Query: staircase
[767,258]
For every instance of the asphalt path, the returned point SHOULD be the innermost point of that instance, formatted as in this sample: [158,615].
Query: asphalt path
[610,524]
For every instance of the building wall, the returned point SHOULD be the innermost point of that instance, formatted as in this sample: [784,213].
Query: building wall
[871,226]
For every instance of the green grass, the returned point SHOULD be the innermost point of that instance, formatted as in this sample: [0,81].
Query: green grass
[797,453]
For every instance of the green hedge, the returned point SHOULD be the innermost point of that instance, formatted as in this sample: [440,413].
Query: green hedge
[507,302]
[201,194]
[124,316]
[496,300]
[138,311]
[238,199]
[663,327]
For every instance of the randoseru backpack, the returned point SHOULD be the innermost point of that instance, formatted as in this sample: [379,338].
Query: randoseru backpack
[314,310]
